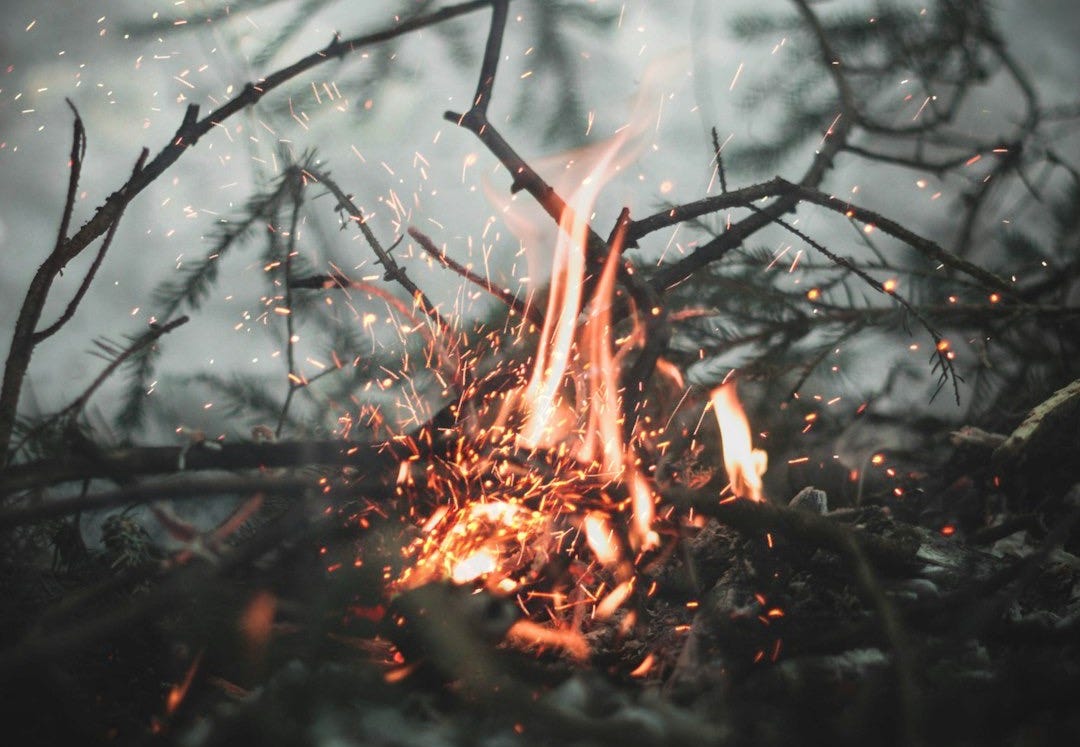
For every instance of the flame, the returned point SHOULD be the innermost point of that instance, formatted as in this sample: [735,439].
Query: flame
[257,622]
[744,464]
[529,633]
[642,534]
[549,499]
[646,665]
[599,536]
[607,606]
[559,335]
[564,304]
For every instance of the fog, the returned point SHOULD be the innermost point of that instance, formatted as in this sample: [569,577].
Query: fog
[388,144]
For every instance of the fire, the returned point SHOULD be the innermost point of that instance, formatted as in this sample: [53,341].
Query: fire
[546,496]
[179,691]
[599,536]
[744,464]
[564,306]
[474,566]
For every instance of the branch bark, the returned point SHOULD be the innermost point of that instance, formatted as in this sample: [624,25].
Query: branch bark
[369,458]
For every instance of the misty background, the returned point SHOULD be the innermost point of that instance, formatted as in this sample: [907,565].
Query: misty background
[384,139]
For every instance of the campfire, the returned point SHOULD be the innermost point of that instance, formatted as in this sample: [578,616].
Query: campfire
[549,494]
[551,523]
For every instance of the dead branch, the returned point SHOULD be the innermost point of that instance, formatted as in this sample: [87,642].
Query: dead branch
[189,132]
[394,271]
[780,187]
[155,333]
[941,346]
[1041,420]
[530,312]
[173,488]
[69,312]
[369,458]
[716,249]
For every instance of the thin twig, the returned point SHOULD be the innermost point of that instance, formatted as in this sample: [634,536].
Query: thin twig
[941,346]
[149,338]
[73,305]
[530,312]
[492,50]
[295,382]
[393,271]
[779,187]
[78,153]
[719,161]
[22,339]
[836,136]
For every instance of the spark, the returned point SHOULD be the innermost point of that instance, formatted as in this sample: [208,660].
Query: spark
[735,79]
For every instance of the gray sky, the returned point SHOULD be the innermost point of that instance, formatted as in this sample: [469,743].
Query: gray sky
[132,92]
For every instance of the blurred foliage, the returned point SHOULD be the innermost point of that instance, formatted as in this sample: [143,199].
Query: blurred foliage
[558,27]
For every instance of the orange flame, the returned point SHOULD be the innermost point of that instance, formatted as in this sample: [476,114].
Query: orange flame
[528,633]
[599,536]
[744,464]
[646,665]
[607,606]
[564,305]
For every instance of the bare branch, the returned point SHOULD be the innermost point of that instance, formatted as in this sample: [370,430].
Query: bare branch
[189,132]
[370,458]
[802,193]
[394,271]
[532,313]
[73,305]
[152,336]
[184,488]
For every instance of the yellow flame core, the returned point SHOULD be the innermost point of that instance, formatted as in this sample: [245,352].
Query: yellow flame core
[744,464]
[474,566]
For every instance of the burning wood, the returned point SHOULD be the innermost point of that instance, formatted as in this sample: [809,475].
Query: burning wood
[557,465]
[552,550]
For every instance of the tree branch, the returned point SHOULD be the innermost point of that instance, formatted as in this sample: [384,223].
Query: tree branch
[189,132]
[73,305]
[370,458]
[530,312]
[184,488]
[394,271]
